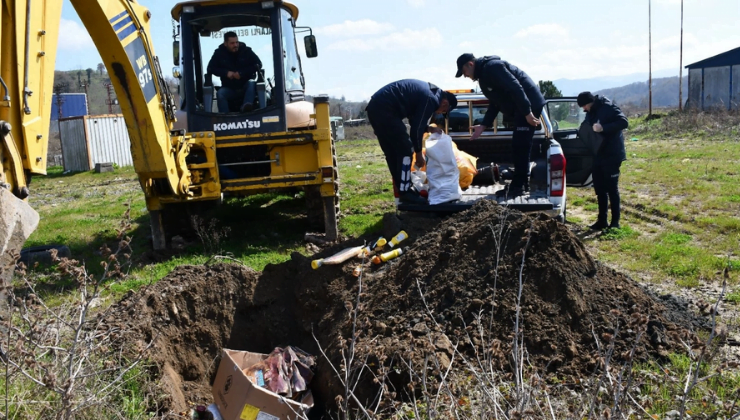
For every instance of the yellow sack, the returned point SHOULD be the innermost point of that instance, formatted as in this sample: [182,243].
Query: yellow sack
[466,164]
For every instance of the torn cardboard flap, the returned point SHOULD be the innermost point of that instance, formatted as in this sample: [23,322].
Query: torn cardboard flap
[238,398]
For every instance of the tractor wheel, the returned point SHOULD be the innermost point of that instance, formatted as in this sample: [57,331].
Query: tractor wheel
[324,211]
[178,219]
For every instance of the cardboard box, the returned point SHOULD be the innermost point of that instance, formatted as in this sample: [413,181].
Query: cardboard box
[238,398]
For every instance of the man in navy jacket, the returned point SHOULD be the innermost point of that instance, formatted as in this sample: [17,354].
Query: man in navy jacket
[236,65]
[604,124]
[509,90]
[416,101]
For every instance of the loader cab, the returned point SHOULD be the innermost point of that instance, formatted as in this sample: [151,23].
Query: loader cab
[268,28]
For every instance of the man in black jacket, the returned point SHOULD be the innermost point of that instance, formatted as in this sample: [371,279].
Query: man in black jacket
[236,65]
[417,101]
[603,127]
[509,90]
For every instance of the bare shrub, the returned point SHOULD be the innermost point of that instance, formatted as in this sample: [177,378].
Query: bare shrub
[64,360]
[360,132]
[210,235]
[712,123]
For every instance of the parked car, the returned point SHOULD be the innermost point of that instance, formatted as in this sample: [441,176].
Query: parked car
[337,127]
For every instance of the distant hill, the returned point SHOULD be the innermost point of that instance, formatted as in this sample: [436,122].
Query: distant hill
[665,93]
[572,87]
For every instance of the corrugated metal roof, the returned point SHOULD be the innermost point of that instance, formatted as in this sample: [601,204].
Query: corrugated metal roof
[727,58]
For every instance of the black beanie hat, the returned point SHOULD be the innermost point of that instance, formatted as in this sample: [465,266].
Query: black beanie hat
[585,98]
[451,98]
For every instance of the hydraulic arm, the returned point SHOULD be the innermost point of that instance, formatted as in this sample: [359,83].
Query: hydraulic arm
[120,31]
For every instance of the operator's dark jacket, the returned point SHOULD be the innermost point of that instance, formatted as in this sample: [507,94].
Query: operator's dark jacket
[508,89]
[409,98]
[244,61]
[609,144]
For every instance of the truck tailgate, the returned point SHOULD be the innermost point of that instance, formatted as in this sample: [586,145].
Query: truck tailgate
[471,195]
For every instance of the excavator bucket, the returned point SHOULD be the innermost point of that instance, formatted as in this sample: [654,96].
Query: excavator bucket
[17,221]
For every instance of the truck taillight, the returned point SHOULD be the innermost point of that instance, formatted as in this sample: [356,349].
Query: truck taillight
[557,175]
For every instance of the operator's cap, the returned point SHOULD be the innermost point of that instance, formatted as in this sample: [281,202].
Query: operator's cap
[461,61]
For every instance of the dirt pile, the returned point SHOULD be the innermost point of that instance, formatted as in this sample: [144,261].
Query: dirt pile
[462,280]
[457,282]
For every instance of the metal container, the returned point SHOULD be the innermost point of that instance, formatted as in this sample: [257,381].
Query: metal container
[88,140]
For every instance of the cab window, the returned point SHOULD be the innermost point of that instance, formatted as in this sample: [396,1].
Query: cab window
[252,30]
[291,59]
[565,115]
[460,118]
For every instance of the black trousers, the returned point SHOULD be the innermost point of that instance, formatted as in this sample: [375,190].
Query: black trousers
[606,187]
[395,142]
[521,148]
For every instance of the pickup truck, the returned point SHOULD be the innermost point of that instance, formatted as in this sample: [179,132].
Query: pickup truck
[556,142]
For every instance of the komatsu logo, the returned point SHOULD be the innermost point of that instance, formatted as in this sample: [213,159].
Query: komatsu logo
[239,125]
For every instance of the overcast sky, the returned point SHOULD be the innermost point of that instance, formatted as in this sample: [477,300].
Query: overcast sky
[366,44]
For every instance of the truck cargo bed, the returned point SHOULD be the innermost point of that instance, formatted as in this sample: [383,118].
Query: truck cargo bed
[528,202]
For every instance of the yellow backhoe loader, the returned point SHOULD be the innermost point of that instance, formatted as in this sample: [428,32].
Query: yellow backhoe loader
[186,152]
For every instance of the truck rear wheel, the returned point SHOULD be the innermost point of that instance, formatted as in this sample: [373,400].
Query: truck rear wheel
[563,217]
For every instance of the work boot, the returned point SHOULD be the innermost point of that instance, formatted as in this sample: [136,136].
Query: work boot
[599,225]
[412,197]
[614,225]
[510,192]
[247,107]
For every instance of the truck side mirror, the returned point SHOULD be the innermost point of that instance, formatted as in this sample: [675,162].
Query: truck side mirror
[310,43]
[176,52]
[176,73]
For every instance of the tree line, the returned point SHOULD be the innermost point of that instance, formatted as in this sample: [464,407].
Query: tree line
[101,99]
[95,82]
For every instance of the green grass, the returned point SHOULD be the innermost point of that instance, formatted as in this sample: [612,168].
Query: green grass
[622,233]
[680,211]
[662,387]
[365,199]
[680,200]
[680,197]
[578,202]
[83,211]
[133,401]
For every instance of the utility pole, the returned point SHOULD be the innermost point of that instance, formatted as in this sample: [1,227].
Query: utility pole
[680,66]
[84,86]
[58,89]
[650,57]
[110,101]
